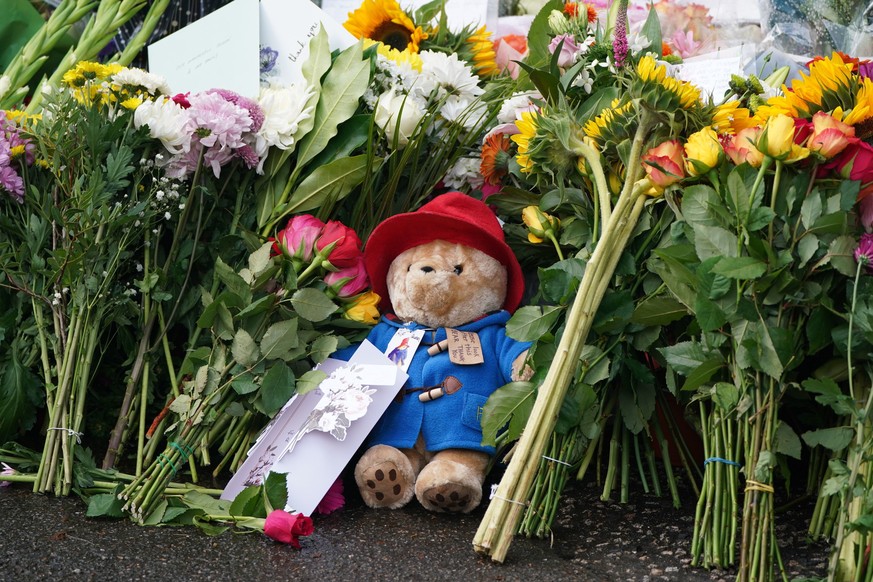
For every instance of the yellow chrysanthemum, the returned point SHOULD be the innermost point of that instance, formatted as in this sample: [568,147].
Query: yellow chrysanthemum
[16,151]
[483,57]
[400,57]
[131,103]
[384,21]
[527,126]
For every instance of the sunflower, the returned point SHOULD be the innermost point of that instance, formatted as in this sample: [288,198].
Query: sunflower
[495,157]
[482,57]
[660,91]
[384,21]
[613,125]
[527,127]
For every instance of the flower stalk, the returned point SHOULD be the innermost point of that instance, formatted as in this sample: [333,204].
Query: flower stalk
[499,524]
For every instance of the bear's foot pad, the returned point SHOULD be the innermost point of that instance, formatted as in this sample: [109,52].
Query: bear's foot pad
[384,486]
[451,498]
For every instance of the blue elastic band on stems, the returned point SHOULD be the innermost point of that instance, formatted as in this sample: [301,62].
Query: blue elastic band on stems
[720,460]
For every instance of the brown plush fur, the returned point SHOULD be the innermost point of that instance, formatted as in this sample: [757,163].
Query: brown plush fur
[438,284]
[424,285]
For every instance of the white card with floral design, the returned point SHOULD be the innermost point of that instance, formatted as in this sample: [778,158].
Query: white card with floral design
[314,436]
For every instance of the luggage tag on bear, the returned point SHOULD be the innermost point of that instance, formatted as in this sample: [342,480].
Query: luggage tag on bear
[464,347]
[401,348]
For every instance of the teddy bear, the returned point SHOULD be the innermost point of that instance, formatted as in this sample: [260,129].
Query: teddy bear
[448,283]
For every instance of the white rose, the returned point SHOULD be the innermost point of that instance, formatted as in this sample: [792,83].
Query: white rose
[397,115]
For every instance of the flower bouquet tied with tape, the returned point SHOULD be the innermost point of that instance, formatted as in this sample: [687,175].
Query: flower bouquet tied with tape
[700,250]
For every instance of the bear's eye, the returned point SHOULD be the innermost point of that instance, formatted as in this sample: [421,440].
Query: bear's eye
[459,269]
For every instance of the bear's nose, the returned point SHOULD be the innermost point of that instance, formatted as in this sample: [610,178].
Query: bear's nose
[427,269]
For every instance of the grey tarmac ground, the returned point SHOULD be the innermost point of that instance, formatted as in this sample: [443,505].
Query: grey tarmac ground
[46,538]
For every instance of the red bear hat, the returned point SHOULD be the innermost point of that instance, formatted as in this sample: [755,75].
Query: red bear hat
[453,217]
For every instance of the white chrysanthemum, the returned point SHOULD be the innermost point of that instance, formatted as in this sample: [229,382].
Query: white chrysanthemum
[513,107]
[443,75]
[285,107]
[468,113]
[464,171]
[168,122]
[133,77]
[5,84]
[398,115]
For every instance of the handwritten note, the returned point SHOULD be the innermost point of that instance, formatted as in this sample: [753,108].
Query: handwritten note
[219,50]
[464,347]
[285,30]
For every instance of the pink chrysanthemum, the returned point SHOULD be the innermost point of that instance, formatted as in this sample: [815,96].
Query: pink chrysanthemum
[333,499]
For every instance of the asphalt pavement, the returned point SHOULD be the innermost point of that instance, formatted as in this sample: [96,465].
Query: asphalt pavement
[48,538]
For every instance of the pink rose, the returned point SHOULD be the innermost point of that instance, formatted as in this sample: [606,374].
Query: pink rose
[349,281]
[665,163]
[741,147]
[286,527]
[829,136]
[298,238]
[855,163]
[347,247]
[569,50]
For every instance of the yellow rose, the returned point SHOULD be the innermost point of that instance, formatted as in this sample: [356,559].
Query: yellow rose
[538,223]
[777,139]
[364,309]
[702,152]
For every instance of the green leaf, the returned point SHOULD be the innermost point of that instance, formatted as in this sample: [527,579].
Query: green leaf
[510,404]
[279,338]
[259,306]
[684,357]
[637,403]
[652,31]
[105,505]
[835,439]
[539,35]
[714,241]
[841,255]
[725,395]
[787,441]
[594,363]
[658,311]
[806,248]
[248,503]
[698,202]
[531,322]
[343,86]
[328,183]
[810,210]
[260,259]
[234,282]
[244,384]
[20,394]
[276,488]
[743,268]
[277,387]
[322,347]
[310,381]
[702,373]
[312,304]
[244,349]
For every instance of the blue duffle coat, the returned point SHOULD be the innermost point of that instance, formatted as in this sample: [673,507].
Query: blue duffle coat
[454,420]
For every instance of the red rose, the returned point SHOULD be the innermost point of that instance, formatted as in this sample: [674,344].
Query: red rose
[855,163]
[286,527]
[347,247]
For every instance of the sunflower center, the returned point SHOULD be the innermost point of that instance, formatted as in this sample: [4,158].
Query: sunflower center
[392,34]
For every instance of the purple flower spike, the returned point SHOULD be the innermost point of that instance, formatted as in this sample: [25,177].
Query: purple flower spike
[619,38]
